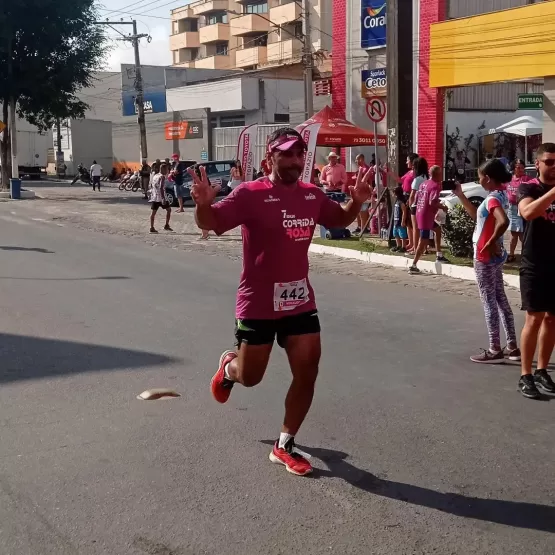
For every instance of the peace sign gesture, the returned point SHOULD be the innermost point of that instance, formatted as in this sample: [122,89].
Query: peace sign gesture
[201,191]
[361,191]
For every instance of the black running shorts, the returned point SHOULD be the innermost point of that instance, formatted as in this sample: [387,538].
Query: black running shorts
[156,205]
[264,332]
[537,290]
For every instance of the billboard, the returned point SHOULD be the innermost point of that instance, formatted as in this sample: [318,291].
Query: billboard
[374,82]
[184,130]
[155,102]
[373,24]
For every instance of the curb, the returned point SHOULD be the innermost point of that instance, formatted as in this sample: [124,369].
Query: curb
[25,194]
[451,270]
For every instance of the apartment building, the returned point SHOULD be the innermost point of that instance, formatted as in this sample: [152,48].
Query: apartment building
[246,34]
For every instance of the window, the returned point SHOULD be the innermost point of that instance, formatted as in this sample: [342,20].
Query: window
[221,49]
[220,17]
[298,30]
[222,168]
[194,54]
[262,40]
[281,118]
[259,7]
[232,121]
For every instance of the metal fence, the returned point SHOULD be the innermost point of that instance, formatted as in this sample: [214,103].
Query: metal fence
[226,139]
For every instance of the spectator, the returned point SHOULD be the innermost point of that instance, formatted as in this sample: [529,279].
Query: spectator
[516,223]
[178,176]
[96,174]
[333,174]
[236,176]
[145,178]
[400,216]
[489,257]
[427,205]
[537,273]
[420,172]
[158,198]
[364,213]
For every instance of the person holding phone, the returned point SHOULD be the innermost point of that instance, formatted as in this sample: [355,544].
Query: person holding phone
[489,257]
[516,226]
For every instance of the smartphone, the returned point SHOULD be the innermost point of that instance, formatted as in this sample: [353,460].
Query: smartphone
[449,185]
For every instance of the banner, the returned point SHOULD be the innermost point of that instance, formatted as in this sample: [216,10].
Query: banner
[245,150]
[310,136]
[154,102]
[184,130]
[373,24]
[374,82]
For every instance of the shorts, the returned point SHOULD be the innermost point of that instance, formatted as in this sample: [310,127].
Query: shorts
[426,233]
[264,332]
[96,180]
[516,223]
[413,210]
[400,232]
[156,205]
[536,290]
[179,191]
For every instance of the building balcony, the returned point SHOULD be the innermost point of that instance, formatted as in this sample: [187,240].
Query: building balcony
[184,40]
[284,50]
[189,65]
[186,12]
[214,62]
[251,56]
[286,13]
[248,24]
[219,32]
[211,6]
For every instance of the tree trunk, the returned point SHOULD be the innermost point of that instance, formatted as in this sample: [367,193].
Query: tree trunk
[5,149]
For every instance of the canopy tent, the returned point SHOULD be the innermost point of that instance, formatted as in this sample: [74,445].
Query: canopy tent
[337,131]
[523,126]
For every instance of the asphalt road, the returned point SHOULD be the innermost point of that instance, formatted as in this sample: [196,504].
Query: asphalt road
[418,451]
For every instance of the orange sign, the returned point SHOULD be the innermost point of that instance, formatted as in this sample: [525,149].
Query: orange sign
[184,130]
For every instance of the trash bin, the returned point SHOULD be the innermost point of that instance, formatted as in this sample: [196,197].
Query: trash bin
[15,189]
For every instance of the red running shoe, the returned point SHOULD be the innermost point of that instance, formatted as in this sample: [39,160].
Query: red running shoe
[294,460]
[220,385]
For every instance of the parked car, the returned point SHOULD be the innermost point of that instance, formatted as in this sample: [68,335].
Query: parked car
[217,171]
[474,191]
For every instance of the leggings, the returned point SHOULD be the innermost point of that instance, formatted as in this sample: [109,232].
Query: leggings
[494,299]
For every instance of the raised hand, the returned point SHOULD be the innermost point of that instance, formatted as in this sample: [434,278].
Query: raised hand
[361,191]
[202,193]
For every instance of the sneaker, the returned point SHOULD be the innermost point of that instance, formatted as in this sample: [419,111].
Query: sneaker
[442,258]
[413,271]
[152,230]
[394,249]
[512,354]
[357,230]
[220,385]
[168,228]
[487,357]
[402,250]
[294,460]
[527,387]
[543,381]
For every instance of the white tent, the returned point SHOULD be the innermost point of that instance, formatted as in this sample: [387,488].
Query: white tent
[522,126]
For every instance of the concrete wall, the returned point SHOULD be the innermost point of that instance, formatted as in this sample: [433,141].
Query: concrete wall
[549,110]
[126,137]
[90,140]
[277,94]
[103,97]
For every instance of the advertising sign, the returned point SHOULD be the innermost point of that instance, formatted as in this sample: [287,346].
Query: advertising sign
[374,82]
[310,135]
[154,103]
[246,147]
[184,130]
[373,24]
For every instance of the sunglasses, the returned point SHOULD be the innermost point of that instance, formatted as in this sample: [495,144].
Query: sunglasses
[549,162]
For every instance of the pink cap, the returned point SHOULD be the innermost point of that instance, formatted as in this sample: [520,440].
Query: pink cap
[285,142]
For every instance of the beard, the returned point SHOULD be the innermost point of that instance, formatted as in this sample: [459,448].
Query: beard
[289,175]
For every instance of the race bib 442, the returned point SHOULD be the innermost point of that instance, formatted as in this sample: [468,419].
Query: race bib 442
[289,296]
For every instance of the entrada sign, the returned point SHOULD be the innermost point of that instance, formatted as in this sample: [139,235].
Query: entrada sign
[373,23]
[530,101]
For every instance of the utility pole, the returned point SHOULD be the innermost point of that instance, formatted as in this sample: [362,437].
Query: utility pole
[308,61]
[134,39]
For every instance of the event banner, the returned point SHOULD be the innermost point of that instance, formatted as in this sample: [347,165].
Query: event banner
[245,149]
[373,23]
[310,136]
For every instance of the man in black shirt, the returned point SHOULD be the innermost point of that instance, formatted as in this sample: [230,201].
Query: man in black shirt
[178,173]
[537,273]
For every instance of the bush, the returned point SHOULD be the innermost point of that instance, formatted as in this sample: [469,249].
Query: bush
[458,232]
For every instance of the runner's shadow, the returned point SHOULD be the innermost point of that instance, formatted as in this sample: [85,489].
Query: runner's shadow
[26,249]
[510,513]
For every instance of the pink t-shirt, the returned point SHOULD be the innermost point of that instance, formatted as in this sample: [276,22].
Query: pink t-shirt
[512,188]
[334,177]
[426,206]
[277,224]
[407,180]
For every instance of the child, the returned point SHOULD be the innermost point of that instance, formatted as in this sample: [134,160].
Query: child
[400,213]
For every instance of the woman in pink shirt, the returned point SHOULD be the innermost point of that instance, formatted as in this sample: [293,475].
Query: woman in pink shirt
[516,223]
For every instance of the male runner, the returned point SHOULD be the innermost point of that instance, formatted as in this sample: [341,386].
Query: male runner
[275,298]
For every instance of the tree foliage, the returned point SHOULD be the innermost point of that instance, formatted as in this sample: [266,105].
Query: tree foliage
[49,50]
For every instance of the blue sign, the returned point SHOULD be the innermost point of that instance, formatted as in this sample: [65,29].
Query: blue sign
[204,156]
[155,102]
[373,23]
[374,82]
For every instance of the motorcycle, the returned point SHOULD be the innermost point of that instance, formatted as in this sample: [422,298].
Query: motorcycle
[83,175]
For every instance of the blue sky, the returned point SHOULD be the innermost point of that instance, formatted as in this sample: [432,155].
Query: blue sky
[153,17]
